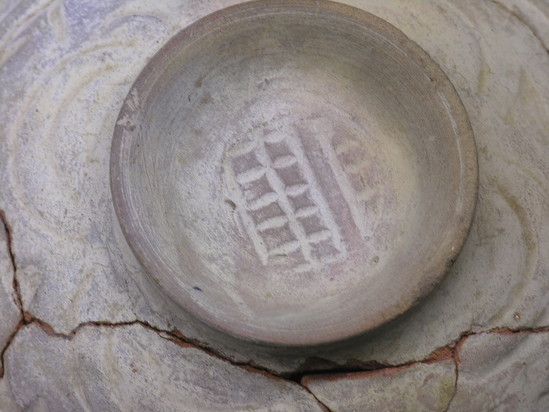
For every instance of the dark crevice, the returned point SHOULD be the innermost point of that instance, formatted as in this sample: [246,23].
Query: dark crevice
[356,366]
[17,294]
[455,356]
[18,300]
[173,336]
[499,330]
[504,330]
[300,378]
[521,18]
[178,338]
[313,366]
[7,345]
[319,366]
[321,404]
[443,353]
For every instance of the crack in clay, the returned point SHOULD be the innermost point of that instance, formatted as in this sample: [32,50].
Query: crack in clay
[322,405]
[18,300]
[450,351]
[178,338]
[438,355]
[504,330]
[7,345]
[443,353]
[455,357]
[173,336]
[521,19]
[312,366]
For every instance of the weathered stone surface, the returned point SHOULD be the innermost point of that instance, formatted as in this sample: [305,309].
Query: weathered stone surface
[499,68]
[533,13]
[65,68]
[133,368]
[503,372]
[9,311]
[7,403]
[419,387]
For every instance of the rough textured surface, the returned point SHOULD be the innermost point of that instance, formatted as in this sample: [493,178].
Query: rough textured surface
[7,403]
[299,176]
[419,387]
[503,372]
[533,13]
[113,369]
[9,310]
[500,279]
[65,68]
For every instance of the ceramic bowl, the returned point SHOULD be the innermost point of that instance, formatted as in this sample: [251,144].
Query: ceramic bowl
[293,172]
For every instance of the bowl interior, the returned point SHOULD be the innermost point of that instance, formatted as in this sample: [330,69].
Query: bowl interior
[292,172]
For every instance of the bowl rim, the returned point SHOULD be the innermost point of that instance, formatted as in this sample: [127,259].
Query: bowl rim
[442,261]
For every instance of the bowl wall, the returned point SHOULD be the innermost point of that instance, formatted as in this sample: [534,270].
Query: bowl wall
[294,173]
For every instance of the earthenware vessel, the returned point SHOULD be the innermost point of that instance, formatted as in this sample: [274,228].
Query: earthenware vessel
[294,172]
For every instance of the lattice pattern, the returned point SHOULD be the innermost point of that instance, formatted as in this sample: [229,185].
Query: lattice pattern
[351,166]
[283,210]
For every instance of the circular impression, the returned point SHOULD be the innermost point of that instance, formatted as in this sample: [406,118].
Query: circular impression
[294,172]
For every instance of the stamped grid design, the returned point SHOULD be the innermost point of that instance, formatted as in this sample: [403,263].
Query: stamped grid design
[281,206]
[351,165]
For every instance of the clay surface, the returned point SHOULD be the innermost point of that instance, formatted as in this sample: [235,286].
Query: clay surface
[503,372]
[113,369]
[294,173]
[10,312]
[418,387]
[65,69]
